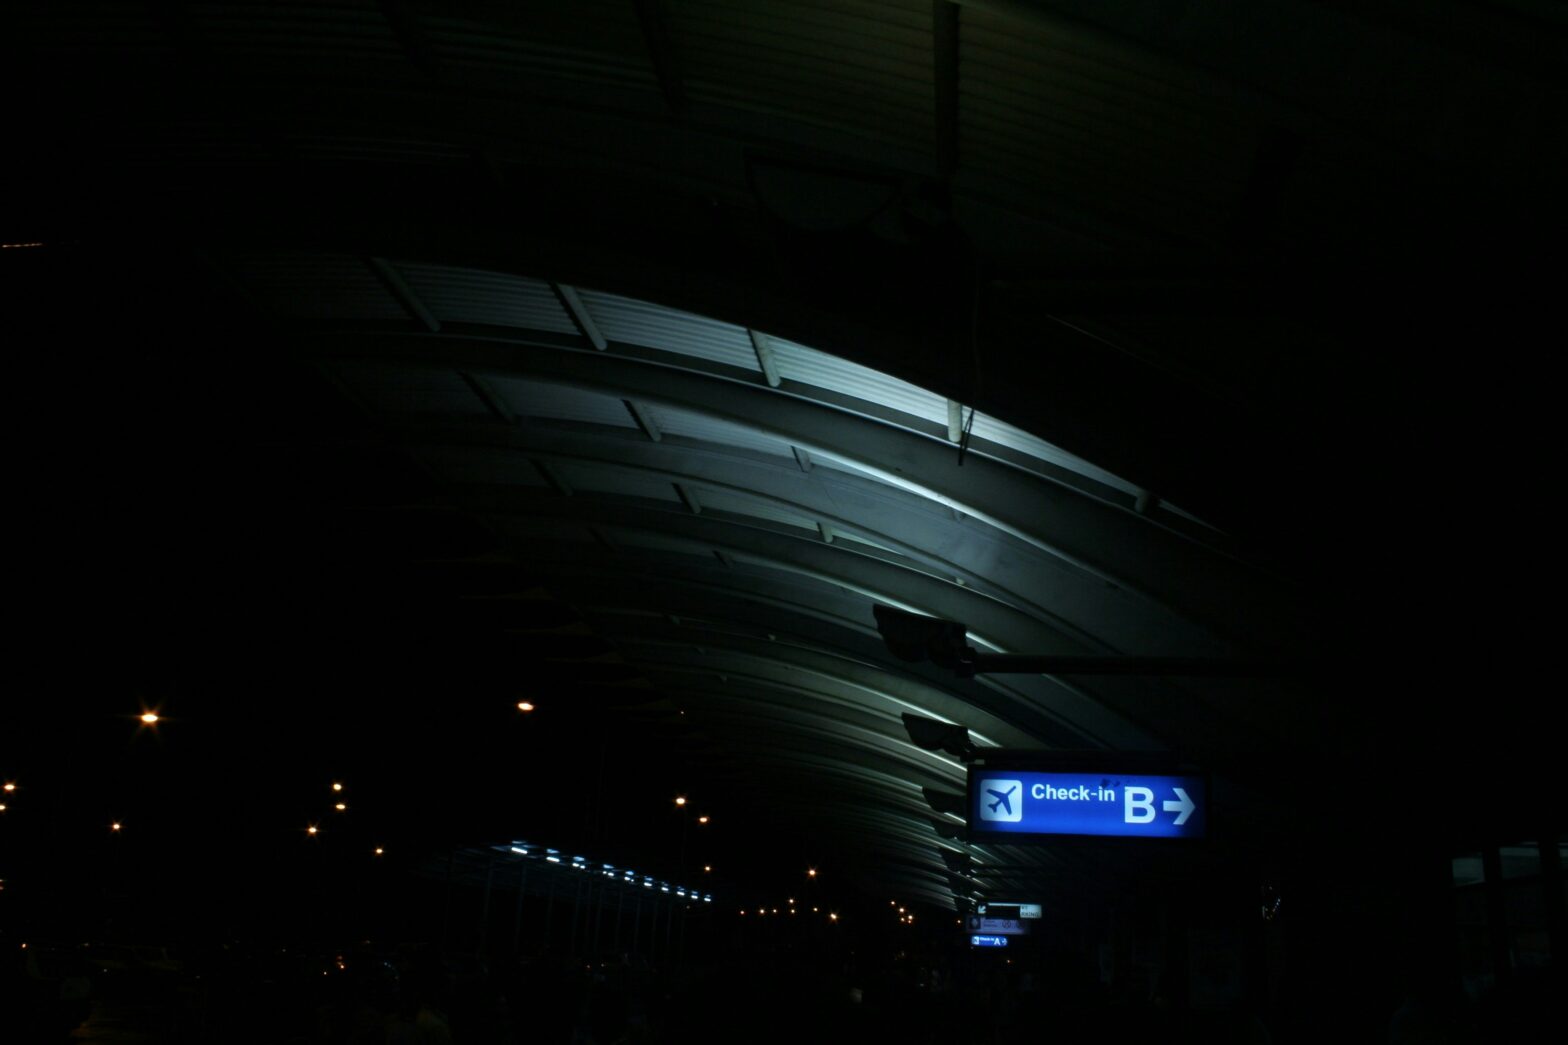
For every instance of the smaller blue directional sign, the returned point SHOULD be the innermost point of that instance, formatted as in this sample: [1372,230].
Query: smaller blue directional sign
[1015,805]
[987,941]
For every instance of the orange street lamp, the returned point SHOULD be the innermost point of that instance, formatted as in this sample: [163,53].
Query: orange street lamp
[340,807]
[311,830]
[115,826]
[336,786]
[680,800]
[523,705]
[150,718]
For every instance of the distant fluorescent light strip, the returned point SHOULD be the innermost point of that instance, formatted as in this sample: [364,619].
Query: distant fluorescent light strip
[582,863]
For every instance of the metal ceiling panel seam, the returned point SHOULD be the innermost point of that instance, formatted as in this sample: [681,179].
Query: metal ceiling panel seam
[318,286]
[643,323]
[475,296]
[556,402]
[1113,544]
[766,701]
[1041,706]
[1087,716]
[398,390]
[479,296]
[790,736]
[899,693]
[778,550]
[855,696]
[811,367]
[970,551]
[691,424]
[990,429]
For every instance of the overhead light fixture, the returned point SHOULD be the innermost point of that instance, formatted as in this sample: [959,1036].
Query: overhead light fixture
[949,831]
[945,801]
[930,735]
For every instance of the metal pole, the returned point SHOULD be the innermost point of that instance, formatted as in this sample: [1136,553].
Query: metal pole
[446,900]
[517,914]
[598,915]
[484,909]
[1552,884]
[549,912]
[1496,913]
[577,910]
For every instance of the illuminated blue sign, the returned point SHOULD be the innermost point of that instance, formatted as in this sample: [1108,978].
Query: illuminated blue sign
[988,941]
[1013,805]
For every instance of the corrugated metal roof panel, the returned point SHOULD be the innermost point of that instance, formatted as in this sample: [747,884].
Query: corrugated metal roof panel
[654,326]
[862,67]
[658,542]
[1004,434]
[410,390]
[622,482]
[823,460]
[856,539]
[737,504]
[691,425]
[811,367]
[465,465]
[541,399]
[318,286]
[458,295]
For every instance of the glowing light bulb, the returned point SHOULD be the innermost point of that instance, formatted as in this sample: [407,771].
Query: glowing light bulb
[150,717]
[680,800]
[523,705]
[311,829]
[114,826]
[336,786]
[340,807]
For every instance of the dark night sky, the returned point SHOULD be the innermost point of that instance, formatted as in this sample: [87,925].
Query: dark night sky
[190,546]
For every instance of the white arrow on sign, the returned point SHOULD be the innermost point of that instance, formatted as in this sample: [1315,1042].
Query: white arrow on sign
[1183,808]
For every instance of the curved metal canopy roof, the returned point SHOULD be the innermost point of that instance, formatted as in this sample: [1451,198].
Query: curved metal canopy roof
[724,508]
[1050,317]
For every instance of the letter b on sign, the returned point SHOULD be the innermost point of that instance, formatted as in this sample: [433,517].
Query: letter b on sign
[1139,808]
